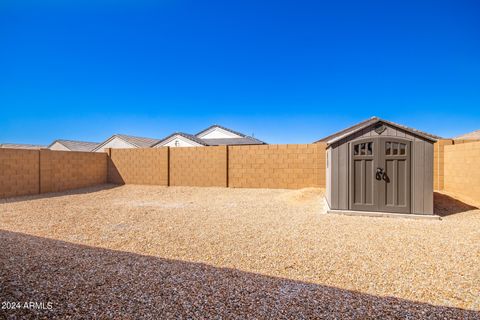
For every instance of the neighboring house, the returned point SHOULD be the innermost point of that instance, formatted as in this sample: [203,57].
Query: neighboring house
[122,141]
[475,135]
[71,145]
[212,136]
[21,146]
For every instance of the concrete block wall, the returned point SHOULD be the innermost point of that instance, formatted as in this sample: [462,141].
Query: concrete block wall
[138,166]
[265,166]
[438,163]
[65,170]
[277,166]
[199,166]
[462,170]
[19,172]
[28,172]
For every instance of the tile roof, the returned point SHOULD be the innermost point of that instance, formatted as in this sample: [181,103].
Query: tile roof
[474,135]
[244,140]
[222,127]
[350,130]
[140,142]
[185,135]
[232,141]
[73,145]
[21,146]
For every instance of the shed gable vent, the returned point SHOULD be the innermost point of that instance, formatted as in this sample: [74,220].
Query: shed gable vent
[380,128]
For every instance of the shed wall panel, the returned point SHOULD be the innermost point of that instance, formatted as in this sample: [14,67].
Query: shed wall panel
[343,176]
[418,175]
[328,177]
[335,169]
[428,179]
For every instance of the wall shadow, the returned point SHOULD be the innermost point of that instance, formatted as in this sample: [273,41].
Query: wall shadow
[89,282]
[113,174]
[59,194]
[444,205]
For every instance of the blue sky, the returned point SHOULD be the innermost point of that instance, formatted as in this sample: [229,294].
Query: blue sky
[287,71]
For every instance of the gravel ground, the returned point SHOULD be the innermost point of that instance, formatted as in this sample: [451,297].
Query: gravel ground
[135,252]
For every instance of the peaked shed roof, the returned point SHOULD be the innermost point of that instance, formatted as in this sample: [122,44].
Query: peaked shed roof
[73,145]
[373,120]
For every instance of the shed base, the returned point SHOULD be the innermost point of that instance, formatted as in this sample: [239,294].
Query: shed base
[385,214]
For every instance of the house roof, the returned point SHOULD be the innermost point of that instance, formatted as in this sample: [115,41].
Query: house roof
[474,135]
[185,135]
[139,142]
[373,120]
[21,146]
[222,127]
[243,140]
[232,141]
[73,145]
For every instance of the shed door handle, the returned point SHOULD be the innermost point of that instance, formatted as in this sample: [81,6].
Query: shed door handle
[379,174]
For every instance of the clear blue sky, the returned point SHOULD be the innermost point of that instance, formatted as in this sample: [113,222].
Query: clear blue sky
[288,71]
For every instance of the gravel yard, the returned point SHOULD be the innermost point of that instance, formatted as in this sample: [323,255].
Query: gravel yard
[153,252]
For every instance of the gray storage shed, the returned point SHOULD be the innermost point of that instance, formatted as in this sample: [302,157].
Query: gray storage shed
[380,166]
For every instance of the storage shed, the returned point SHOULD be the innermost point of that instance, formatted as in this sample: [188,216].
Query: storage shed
[380,166]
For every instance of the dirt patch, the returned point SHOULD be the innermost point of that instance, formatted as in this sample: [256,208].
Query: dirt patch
[146,251]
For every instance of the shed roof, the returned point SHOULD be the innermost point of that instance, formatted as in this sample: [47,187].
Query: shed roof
[73,145]
[373,120]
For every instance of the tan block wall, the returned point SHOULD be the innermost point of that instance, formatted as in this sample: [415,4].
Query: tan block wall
[457,141]
[19,172]
[277,166]
[462,170]
[138,166]
[438,163]
[65,170]
[27,172]
[198,166]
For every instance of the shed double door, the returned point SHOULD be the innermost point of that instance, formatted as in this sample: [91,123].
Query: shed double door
[380,175]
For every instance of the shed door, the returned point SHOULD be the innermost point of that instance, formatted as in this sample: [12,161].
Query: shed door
[394,160]
[363,186]
[380,175]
